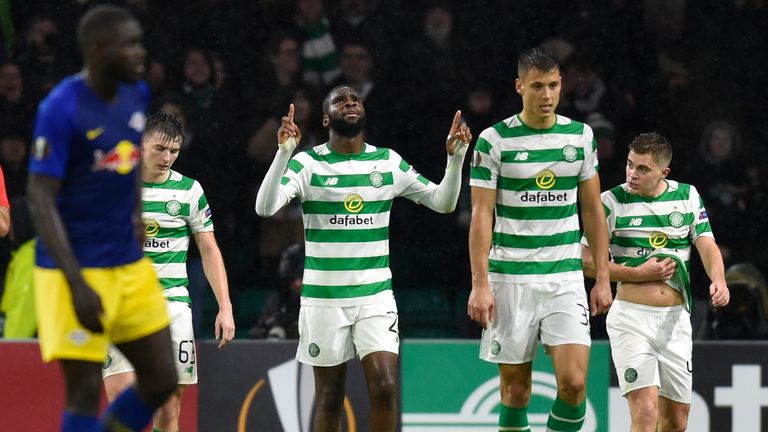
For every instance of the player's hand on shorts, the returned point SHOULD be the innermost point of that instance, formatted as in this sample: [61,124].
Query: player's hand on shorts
[225,327]
[600,298]
[719,293]
[481,306]
[459,136]
[288,135]
[87,306]
[658,269]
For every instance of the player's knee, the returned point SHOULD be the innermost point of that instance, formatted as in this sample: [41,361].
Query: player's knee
[515,394]
[644,416]
[330,400]
[673,424]
[572,389]
[84,393]
[384,392]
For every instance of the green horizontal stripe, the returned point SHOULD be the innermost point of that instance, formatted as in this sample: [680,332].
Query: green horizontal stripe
[535,242]
[326,207]
[537,156]
[202,202]
[542,268]
[337,264]
[295,166]
[184,184]
[284,181]
[183,299]
[208,223]
[422,179]
[480,173]
[159,207]
[650,221]
[173,282]
[349,180]
[346,235]
[643,242]
[536,213]
[345,291]
[179,232]
[167,257]
[483,146]
[333,157]
[702,228]
[574,128]
[513,184]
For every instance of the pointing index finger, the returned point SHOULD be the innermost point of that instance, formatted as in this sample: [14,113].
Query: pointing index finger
[456,120]
[290,113]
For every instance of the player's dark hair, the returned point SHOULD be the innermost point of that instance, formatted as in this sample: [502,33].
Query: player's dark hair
[654,144]
[100,21]
[537,59]
[165,124]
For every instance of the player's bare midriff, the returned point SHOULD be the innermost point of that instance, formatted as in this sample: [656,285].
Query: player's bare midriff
[655,293]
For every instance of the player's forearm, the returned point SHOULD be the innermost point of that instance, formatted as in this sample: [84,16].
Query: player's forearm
[711,259]
[444,197]
[269,199]
[5,221]
[216,274]
[596,231]
[480,232]
[47,221]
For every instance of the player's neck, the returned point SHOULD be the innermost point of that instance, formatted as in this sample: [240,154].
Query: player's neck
[103,85]
[344,145]
[536,121]
[156,178]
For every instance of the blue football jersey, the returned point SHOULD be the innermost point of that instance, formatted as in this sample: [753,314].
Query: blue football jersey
[93,148]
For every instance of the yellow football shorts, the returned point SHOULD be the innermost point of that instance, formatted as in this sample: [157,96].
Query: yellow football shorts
[133,303]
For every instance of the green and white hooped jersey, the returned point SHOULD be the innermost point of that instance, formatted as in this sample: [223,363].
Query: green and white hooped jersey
[346,200]
[172,210]
[662,226]
[536,173]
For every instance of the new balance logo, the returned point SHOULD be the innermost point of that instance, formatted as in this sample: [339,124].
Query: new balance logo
[522,156]
[636,222]
[332,181]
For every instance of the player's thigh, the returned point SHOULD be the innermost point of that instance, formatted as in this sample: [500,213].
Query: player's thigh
[515,383]
[376,328]
[633,347]
[565,315]
[512,336]
[61,336]
[570,362]
[325,335]
[672,415]
[143,309]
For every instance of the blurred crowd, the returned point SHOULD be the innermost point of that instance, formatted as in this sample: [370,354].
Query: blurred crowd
[693,71]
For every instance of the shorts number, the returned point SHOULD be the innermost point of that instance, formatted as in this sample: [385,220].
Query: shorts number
[584,313]
[393,327]
[187,351]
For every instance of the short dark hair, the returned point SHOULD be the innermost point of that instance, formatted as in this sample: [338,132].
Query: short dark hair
[538,59]
[654,144]
[99,21]
[165,124]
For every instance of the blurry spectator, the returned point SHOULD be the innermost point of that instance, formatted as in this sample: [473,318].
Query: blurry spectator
[18,301]
[273,92]
[583,90]
[746,317]
[156,77]
[41,61]
[280,316]
[611,168]
[15,108]
[356,72]
[318,49]
[13,158]
[363,20]
[196,95]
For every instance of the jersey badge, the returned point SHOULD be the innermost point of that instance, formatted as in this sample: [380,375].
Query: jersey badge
[376,179]
[676,219]
[173,207]
[121,159]
[569,153]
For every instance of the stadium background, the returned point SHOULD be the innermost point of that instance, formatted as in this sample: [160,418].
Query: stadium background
[692,70]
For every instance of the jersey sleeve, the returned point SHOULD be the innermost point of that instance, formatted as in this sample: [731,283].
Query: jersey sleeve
[700,225]
[590,166]
[608,201]
[486,161]
[296,178]
[52,139]
[408,182]
[200,215]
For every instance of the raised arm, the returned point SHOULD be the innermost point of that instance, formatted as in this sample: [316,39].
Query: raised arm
[41,193]
[213,267]
[269,198]
[443,198]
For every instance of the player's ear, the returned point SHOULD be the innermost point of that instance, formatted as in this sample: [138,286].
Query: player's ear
[665,172]
[326,121]
[518,86]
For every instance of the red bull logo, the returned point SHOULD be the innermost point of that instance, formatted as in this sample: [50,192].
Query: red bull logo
[121,159]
